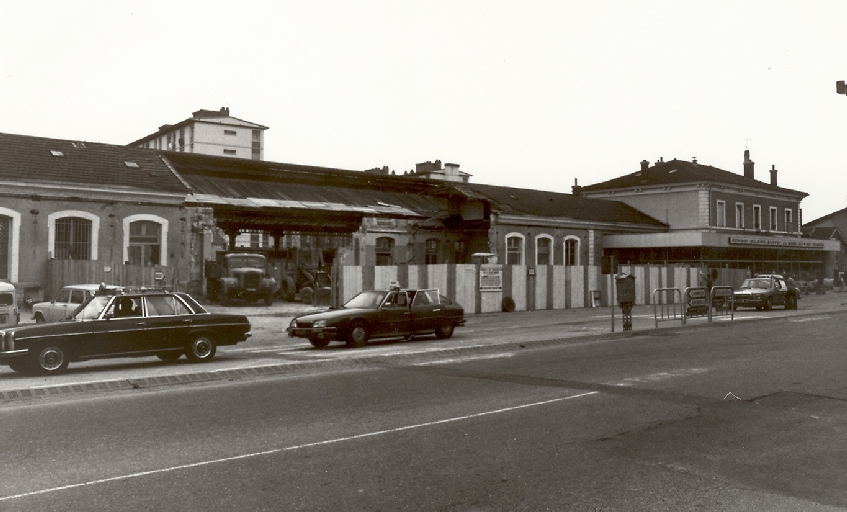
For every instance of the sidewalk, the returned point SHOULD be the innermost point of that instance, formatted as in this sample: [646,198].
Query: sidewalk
[524,328]
[269,322]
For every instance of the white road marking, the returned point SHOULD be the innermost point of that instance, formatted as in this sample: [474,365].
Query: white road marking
[290,448]
[467,358]
[806,319]
[655,377]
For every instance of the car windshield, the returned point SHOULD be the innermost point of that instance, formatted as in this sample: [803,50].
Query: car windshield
[366,300]
[91,309]
[252,261]
[756,283]
[6,299]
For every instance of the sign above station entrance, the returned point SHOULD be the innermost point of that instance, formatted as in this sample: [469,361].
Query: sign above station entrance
[796,243]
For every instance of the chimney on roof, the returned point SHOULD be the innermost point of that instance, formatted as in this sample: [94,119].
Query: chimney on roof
[644,165]
[225,111]
[576,189]
[773,175]
[748,165]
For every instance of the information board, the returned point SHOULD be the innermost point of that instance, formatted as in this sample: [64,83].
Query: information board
[490,278]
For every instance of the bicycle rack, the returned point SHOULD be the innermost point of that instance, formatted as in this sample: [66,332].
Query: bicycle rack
[665,310]
[722,300]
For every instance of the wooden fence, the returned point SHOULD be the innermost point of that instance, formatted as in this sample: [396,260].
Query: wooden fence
[66,272]
[525,288]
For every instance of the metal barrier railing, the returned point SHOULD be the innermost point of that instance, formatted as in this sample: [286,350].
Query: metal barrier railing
[665,310]
[705,303]
[722,299]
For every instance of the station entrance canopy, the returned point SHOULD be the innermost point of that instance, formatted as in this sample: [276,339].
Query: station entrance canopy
[274,197]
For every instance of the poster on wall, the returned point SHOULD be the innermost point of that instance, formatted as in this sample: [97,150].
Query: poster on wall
[490,278]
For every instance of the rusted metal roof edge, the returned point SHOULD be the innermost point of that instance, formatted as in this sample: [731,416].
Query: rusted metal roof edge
[265,203]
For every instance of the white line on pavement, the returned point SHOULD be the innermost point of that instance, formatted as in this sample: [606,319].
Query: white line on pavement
[464,359]
[291,448]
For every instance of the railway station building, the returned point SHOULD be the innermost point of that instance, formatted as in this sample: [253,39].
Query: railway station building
[715,219]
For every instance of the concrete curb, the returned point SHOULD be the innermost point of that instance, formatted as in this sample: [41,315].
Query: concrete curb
[364,361]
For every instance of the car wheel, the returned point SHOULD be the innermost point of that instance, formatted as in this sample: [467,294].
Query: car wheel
[358,335]
[307,295]
[768,304]
[39,318]
[201,349]
[318,342]
[444,332]
[50,358]
[169,357]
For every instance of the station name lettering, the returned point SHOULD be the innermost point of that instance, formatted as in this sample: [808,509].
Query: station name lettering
[769,242]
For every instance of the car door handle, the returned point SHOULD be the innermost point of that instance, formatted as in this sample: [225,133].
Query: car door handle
[186,321]
[435,310]
[140,323]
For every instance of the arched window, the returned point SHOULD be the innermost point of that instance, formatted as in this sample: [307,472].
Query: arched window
[571,251]
[73,239]
[5,245]
[514,249]
[73,235]
[432,247]
[384,250]
[145,240]
[10,234]
[543,250]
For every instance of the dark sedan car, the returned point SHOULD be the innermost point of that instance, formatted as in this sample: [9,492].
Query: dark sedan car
[161,324]
[764,292]
[381,314]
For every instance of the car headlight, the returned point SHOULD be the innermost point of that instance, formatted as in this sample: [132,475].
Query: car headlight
[320,324]
[293,323]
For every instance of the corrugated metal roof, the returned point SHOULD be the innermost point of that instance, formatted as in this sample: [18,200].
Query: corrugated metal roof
[303,198]
[39,160]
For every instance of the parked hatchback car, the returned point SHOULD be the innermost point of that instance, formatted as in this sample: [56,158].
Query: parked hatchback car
[67,300]
[166,325]
[766,291]
[381,314]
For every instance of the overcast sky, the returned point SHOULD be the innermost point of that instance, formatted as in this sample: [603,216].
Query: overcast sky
[530,94]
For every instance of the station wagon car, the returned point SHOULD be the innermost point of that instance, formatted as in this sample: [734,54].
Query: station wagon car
[67,300]
[764,292]
[375,314]
[166,325]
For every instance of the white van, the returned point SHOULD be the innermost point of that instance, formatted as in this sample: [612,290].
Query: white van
[9,314]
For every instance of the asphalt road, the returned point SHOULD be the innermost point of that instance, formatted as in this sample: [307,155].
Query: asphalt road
[745,415]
